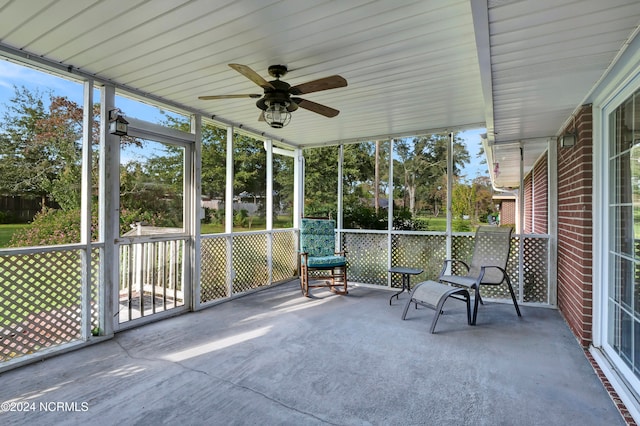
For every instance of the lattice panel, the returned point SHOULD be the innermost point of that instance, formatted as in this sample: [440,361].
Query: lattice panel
[366,257]
[213,269]
[40,301]
[151,278]
[249,262]
[536,270]
[418,251]
[95,289]
[283,254]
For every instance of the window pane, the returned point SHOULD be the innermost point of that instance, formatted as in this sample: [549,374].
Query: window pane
[365,185]
[622,175]
[213,178]
[282,191]
[623,281]
[625,132]
[151,188]
[321,182]
[41,153]
[249,184]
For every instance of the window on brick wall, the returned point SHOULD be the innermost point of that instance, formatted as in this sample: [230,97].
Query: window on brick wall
[623,298]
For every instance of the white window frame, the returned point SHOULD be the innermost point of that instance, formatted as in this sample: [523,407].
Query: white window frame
[615,89]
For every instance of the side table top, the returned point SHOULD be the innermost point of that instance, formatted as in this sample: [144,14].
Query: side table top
[405,270]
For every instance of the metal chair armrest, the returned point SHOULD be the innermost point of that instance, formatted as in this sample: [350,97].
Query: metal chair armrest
[483,270]
[451,262]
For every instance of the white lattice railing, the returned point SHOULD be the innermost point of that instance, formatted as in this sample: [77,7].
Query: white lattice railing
[368,257]
[258,259]
[41,298]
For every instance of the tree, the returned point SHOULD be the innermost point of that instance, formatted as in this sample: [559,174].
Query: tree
[25,168]
[40,148]
[462,199]
[484,204]
[420,166]
[214,154]
[321,181]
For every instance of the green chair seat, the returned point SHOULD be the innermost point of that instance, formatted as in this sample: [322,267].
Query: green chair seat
[326,261]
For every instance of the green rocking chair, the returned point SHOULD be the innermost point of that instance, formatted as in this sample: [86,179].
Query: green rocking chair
[318,255]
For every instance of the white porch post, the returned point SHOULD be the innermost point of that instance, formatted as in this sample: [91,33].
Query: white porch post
[85,215]
[268,144]
[521,228]
[449,195]
[390,205]
[228,203]
[339,218]
[109,215]
[196,210]
[298,197]
[228,209]
[298,187]
[552,220]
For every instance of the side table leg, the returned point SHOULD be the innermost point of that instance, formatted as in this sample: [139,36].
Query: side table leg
[405,284]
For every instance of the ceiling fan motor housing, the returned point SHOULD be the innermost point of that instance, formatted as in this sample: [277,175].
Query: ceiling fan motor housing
[279,95]
[277,102]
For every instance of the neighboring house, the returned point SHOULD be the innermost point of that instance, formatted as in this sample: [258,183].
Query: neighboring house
[507,208]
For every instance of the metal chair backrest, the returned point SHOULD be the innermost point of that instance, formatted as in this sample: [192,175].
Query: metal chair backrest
[491,248]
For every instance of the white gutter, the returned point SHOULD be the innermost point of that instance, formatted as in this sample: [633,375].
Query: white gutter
[514,192]
[489,154]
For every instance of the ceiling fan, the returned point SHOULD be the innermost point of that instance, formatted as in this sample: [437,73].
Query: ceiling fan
[277,102]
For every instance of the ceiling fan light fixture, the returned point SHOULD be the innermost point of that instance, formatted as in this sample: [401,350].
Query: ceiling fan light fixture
[277,115]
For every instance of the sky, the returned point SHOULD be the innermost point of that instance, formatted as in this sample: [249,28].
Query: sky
[16,75]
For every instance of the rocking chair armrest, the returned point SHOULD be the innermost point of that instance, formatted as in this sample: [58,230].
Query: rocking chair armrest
[451,262]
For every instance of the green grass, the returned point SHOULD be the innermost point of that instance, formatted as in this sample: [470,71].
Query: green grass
[7,230]
[257,224]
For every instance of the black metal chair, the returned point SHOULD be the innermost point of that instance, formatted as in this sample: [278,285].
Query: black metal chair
[488,264]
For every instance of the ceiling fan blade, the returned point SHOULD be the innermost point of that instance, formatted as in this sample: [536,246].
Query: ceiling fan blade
[207,98]
[326,83]
[315,107]
[252,75]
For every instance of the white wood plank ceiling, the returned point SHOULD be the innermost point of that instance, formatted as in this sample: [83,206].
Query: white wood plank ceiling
[412,66]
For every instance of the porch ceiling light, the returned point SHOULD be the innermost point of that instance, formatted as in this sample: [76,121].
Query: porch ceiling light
[277,115]
[117,124]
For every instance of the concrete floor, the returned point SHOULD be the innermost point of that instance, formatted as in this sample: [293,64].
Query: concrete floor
[276,358]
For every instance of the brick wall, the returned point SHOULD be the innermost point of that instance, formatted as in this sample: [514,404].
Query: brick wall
[508,212]
[540,196]
[575,251]
[536,195]
[528,204]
